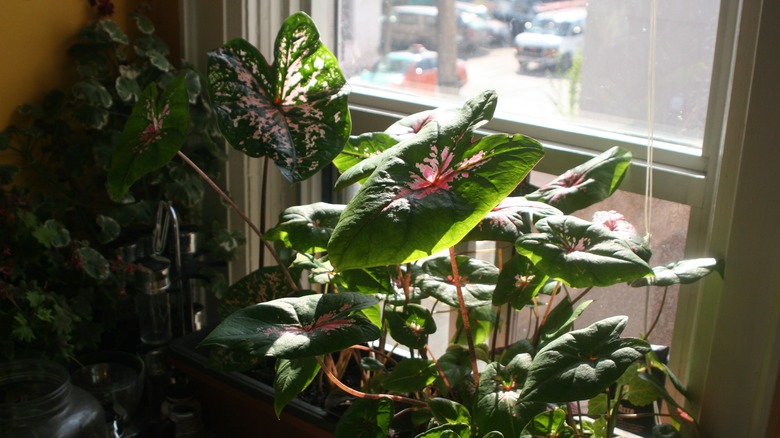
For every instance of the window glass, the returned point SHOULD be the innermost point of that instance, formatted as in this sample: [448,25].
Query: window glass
[547,69]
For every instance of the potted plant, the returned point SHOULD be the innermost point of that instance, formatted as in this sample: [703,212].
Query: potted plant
[428,184]
[65,282]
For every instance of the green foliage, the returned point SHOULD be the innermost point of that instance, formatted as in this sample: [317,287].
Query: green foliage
[428,184]
[60,229]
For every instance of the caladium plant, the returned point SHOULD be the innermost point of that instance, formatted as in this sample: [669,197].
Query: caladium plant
[427,184]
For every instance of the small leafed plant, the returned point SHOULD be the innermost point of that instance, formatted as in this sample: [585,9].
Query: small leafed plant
[428,184]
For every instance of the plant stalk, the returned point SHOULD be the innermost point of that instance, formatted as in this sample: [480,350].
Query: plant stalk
[246,219]
[360,394]
[464,314]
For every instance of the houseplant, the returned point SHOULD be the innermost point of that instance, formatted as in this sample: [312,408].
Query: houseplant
[65,282]
[429,183]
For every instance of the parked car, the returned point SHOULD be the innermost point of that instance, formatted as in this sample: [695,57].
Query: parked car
[553,39]
[416,68]
[418,24]
[493,31]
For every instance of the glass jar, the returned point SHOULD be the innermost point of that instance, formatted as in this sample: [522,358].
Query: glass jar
[38,400]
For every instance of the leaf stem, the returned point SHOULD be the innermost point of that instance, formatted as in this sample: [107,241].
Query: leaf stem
[246,219]
[464,314]
[363,395]
[657,315]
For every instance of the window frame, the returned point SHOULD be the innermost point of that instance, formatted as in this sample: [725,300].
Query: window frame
[726,351]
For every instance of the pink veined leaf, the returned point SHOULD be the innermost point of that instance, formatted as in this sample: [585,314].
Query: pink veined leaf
[153,133]
[436,173]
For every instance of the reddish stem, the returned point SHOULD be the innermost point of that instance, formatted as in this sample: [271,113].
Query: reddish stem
[246,219]
[464,314]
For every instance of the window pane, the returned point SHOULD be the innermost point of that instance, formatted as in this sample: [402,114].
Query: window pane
[575,68]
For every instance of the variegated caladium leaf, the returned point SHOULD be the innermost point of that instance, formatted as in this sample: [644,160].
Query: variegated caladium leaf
[429,191]
[293,111]
[154,133]
[293,328]
[618,224]
[410,325]
[306,228]
[477,280]
[582,363]
[518,283]
[680,272]
[510,219]
[581,253]
[261,285]
[500,404]
[586,184]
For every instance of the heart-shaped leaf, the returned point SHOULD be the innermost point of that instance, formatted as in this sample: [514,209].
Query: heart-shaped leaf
[477,280]
[586,184]
[306,228]
[410,325]
[680,272]
[292,377]
[447,411]
[618,224]
[518,283]
[500,405]
[429,191]
[510,219]
[580,364]
[153,135]
[292,328]
[294,111]
[580,253]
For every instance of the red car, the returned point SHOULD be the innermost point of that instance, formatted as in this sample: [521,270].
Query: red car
[413,68]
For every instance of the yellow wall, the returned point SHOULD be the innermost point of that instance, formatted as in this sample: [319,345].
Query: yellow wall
[35,35]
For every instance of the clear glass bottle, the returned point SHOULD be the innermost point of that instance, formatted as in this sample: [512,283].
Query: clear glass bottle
[152,302]
[38,400]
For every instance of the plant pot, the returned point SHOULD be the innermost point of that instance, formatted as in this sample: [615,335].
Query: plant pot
[235,404]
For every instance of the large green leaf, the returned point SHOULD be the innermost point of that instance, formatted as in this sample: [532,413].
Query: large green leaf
[581,253]
[500,403]
[410,325]
[153,135]
[586,184]
[510,219]
[477,280]
[618,224]
[293,111]
[429,191]
[580,364]
[293,328]
[680,272]
[306,228]
[292,377]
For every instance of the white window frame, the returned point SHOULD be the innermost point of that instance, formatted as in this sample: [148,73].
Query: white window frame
[726,337]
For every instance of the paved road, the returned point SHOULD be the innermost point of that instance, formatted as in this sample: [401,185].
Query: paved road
[533,94]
